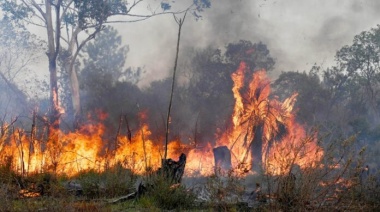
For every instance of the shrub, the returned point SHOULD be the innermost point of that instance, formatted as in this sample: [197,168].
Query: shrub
[164,195]
[112,182]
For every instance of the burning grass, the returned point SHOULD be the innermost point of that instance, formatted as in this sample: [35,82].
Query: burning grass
[340,181]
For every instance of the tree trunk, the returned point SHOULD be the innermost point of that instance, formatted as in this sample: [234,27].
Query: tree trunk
[54,103]
[257,146]
[74,89]
[52,55]
[74,83]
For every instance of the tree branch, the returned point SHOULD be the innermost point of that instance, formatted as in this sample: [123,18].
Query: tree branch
[144,17]
[35,5]
[58,28]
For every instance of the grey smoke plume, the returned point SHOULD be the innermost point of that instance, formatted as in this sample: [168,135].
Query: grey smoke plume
[298,33]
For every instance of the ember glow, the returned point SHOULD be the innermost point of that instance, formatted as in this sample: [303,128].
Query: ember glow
[263,134]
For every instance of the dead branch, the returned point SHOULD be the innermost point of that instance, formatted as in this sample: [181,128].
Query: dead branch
[180,23]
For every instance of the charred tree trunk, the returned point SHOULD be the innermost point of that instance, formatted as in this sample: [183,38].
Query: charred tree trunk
[256,148]
[174,170]
[222,157]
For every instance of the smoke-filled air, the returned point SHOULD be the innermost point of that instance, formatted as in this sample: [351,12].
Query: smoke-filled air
[118,105]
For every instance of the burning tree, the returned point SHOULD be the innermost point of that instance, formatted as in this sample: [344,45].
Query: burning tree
[264,130]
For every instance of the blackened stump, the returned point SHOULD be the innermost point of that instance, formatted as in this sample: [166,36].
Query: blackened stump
[174,169]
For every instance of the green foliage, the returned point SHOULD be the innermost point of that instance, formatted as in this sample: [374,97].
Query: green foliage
[96,12]
[105,55]
[163,195]
[7,175]
[200,5]
[14,11]
[165,6]
[115,181]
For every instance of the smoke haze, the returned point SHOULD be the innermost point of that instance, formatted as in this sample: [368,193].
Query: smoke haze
[298,33]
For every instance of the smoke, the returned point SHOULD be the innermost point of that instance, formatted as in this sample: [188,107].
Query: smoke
[298,33]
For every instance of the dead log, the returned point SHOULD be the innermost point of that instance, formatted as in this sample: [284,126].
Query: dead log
[122,198]
[222,157]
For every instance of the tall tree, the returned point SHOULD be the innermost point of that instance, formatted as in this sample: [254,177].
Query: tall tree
[106,56]
[75,22]
[354,82]
[105,81]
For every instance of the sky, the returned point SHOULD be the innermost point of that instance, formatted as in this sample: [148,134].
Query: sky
[298,33]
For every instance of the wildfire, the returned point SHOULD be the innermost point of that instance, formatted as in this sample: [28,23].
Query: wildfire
[263,135]
[85,149]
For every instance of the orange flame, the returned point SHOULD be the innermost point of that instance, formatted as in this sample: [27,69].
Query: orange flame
[256,118]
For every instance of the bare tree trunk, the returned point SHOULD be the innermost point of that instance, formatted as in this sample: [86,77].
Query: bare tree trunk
[75,98]
[74,83]
[73,77]
[180,23]
[53,48]
[74,89]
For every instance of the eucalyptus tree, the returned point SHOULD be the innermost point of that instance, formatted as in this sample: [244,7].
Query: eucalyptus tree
[74,23]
